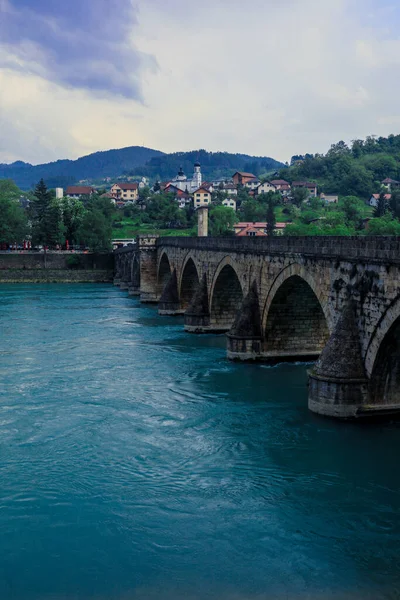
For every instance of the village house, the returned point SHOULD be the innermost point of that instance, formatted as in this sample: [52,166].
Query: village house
[373,201]
[230,203]
[390,184]
[252,184]
[265,187]
[76,191]
[202,197]
[183,199]
[241,178]
[309,185]
[230,189]
[125,192]
[280,184]
[329,199]
[256,229]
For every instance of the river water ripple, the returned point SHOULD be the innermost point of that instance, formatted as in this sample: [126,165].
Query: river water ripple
[136,462]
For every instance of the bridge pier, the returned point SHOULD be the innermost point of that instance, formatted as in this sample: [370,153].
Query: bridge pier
[338,385]
[197,315]
[169,303]
[244,338]
[148,269]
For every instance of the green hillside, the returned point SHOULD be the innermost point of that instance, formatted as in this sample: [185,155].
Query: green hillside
[355,170]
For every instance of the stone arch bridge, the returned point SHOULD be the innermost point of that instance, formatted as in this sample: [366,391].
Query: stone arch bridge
[335,299]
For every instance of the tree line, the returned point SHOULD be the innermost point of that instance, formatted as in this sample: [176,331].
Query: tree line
[54,223]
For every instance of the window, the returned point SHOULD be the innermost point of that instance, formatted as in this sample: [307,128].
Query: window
[205,195]
[198,195]
[251,233]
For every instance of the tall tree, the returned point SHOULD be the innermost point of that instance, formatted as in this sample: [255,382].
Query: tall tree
[13,221]
[46,217]
[271,219]
[382,207]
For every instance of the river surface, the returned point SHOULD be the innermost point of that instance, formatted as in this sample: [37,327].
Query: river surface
[136,462]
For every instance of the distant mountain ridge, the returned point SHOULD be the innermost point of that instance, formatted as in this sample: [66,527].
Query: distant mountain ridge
[134,160]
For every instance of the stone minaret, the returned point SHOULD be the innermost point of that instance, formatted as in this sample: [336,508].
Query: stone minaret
[202,221]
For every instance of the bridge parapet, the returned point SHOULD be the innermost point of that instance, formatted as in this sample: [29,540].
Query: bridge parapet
[281,299]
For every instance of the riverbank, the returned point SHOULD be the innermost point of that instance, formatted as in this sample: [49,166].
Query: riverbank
[56,276]
[56,267]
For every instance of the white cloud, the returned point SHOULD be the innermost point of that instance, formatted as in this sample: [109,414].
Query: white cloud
[266,77]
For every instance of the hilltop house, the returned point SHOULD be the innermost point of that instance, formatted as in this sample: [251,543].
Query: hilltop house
[125,192]
[373,201]
[390,184]
[202,197]
[280,184]
[329,199]
[256,229]
[252,184]
[230,203]
[309,185]
[241,178]
[76,191]
[265,187]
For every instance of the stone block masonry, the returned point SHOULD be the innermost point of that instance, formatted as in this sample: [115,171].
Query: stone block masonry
[56,268]
[301,288]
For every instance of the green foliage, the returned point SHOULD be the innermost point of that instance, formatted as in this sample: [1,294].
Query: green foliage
[299,195]
[46,217]
[13,220]
[95,231]
[221,220]
[271,220]
[74,261]
[384,225]
[252,211]
[382,206]
[354,171]
[73,212]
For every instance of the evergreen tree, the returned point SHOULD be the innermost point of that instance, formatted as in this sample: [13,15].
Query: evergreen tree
[382,206]
[46,217]
[271,220]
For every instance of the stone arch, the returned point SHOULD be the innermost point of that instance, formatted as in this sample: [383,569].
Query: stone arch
[163,273]
[226,295]
[387,321]
[384,388]
[189,281]
[295,318]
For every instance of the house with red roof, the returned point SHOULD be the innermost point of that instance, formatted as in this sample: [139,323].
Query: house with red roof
[125,192]
[76,191]
[241,178]
[256,229]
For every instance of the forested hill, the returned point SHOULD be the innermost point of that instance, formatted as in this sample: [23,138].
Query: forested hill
[135,160]
[213,164]
[355,170]
[61,173]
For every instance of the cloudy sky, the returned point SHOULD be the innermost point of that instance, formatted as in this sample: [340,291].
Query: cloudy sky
[265,77]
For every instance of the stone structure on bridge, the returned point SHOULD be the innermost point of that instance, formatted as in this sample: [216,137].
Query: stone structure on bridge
[332,299]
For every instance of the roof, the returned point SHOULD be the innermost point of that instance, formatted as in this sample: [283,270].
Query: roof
[82,190]
[389,180]
[202,189]
[243,174]
[257,225]
[386,196]
[127,186]
[253,180]
[279,182]
[310,184]
[250,228]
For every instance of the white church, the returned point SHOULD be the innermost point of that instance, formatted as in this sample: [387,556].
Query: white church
[189,185]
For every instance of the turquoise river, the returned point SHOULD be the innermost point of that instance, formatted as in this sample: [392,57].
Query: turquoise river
[136,462]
